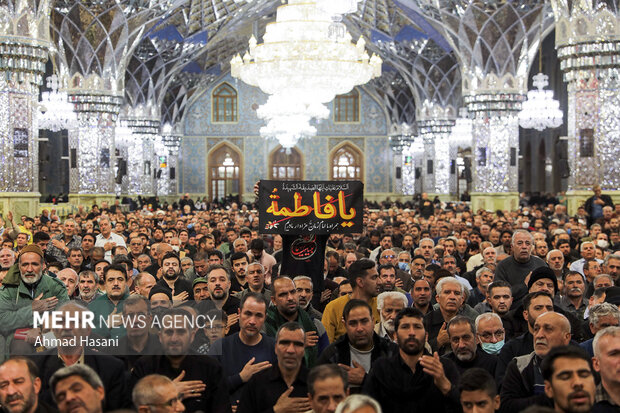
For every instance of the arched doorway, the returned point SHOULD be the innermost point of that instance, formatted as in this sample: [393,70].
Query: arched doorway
[285,164]
[224,172]
[346,163]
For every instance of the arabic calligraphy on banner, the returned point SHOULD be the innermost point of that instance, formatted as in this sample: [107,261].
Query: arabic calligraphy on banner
[310,207]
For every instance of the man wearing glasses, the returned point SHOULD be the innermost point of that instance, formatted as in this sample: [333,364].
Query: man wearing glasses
[157,393]
[490,332]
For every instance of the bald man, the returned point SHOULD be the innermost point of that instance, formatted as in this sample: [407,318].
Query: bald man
[523,383]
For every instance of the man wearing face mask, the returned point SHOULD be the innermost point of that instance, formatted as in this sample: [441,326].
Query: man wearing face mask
[490,332]
[465,352]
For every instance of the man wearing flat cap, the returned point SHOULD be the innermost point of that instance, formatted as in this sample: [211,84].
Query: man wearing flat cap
[26,289]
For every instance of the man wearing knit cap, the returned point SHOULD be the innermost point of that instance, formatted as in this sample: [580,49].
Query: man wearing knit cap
[26,289]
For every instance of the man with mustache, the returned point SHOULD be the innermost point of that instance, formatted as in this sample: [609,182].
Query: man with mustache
[88,283]
[465,353]
[26,289]
[359,347]
[421,294]
[20,387]
[412,380]
[523,384]
[574,300]
[256,282]
[172,280]
[78,387]
[247,352]
[569,380]
[111,303]
[239,265]
[389,303]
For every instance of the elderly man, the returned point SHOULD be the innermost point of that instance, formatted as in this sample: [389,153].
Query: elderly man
[26,289]
[490,333]
[78,387]
[69,278]
[450,296]
[60,245]
[7,259]
[602,315]
[107,239]
[20,386]
[588,252]
[158,391]
[256,282]
[523,385]
[555,261]
[389,303]
[515,268]
[465,352]
[605,361]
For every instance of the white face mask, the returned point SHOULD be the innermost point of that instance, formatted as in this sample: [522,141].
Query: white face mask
[175,248]
[525,225]
[602,243]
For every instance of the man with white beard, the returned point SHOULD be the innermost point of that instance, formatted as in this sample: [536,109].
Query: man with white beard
[389,303]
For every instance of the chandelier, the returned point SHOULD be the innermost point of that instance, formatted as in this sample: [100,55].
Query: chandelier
[540,110]
[400,137]
[462,131]
[302,68]
[56,113]
[336,9]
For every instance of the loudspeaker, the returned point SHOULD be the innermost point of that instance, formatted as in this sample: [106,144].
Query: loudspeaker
[398,172]
[418,173]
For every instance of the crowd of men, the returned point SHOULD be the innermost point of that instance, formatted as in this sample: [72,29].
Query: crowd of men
[436,308]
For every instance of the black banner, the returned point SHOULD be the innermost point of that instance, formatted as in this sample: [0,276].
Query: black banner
[310,207]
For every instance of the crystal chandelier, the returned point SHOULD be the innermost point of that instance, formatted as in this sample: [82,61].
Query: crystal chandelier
[400,137]
[462,131]
[336,9]
[540,110]
[302,68]
[56,113]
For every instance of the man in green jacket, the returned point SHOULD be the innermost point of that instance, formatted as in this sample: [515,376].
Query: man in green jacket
[25,289]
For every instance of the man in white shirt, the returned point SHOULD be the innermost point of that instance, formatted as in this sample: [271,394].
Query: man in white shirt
[107,239]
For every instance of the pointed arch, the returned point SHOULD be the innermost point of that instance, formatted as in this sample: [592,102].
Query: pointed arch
[225,166]
[346,162]
[224,104]
[286,164]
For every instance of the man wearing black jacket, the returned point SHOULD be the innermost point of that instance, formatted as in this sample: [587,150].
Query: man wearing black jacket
[523,384]
[413,380]
[200,377]
[360,347]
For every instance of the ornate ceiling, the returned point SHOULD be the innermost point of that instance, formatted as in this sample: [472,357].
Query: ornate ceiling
[161,52]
